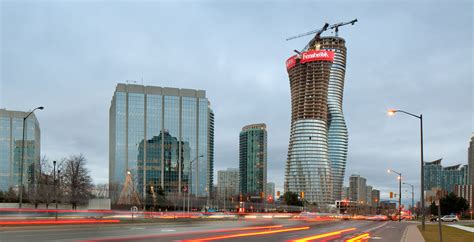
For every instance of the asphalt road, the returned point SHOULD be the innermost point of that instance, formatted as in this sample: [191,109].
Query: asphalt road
[249,230]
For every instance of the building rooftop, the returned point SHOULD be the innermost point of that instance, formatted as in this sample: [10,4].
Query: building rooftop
[436,162]
[167,91]
[254,126]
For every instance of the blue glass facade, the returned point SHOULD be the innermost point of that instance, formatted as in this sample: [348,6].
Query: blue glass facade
[253,160]
[437,176]
[337,130]
[11,132]
[161,136]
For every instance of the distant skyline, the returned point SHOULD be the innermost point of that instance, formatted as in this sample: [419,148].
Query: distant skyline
[416,56]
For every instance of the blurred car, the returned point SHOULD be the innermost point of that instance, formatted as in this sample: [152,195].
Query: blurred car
[346,216]
[433,218]
[449,218]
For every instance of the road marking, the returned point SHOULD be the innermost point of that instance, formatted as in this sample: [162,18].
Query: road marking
[168,230]
[375,238]
[377,227]
[135,228]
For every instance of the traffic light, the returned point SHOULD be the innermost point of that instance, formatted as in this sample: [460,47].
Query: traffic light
[302,195]
[278,193]
[391,194]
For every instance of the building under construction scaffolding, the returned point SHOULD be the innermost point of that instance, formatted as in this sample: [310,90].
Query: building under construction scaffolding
[318,139]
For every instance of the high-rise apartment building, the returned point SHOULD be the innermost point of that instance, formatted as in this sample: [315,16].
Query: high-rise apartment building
[345,193]
[253,160]
[375,198]
[368,192]
[470,160]
[357,189]
[228,183]
[270,190]
[317,149]
[11,140]
[163,137]
[437,176]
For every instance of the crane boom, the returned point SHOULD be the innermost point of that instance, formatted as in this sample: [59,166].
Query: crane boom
[318,32]
[336,26]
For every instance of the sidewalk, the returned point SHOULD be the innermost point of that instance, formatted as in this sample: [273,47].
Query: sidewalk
[465,228]
[413,234]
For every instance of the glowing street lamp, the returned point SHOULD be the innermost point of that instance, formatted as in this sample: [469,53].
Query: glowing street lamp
[391,112]
[399,193]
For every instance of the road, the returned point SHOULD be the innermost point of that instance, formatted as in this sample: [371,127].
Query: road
[250,230]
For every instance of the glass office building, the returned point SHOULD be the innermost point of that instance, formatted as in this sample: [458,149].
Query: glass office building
[470,160]
[11,132]
[253,160]
[164,137]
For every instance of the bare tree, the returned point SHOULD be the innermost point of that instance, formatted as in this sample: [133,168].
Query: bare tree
[76,180]
[101,190]
[11,196]
[46,184]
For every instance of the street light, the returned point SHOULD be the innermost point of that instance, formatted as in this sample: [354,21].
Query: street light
[392,112]
[23,155]
[412,196]
[190,179]
[399,193]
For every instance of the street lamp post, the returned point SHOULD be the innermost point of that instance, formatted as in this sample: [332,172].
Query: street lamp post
[412,196]
[23,155]
[399,193]
[191,175]
[54,188]
[422,195]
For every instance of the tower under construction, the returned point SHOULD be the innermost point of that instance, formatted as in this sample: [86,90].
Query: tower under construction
[317,148]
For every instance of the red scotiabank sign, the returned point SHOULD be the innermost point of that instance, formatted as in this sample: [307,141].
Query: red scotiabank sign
[310,56]
[291,62]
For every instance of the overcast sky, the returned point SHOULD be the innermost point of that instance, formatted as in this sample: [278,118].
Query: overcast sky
[69,56]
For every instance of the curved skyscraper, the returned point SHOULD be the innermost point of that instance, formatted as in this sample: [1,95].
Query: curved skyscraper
[337,130]
[318,139]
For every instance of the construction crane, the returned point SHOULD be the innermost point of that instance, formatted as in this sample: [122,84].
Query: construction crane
[336,26]
[318,33]
[316,37]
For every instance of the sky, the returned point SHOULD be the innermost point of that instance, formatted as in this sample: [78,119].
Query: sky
[68,56]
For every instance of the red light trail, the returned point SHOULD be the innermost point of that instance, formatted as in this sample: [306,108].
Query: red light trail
[247,234]
[52,222]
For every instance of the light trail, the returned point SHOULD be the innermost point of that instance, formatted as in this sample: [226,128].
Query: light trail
[230,236]
[359,238]
[320,236]
[154,236]
[52,222]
